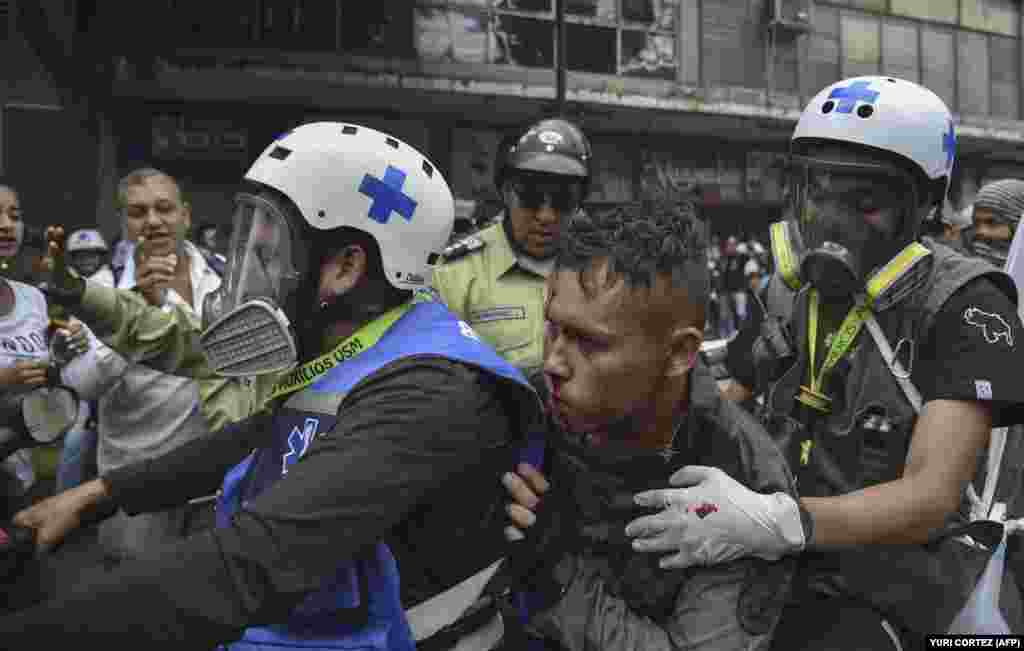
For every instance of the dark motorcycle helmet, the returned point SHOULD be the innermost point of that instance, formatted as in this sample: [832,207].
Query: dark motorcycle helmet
[550,146]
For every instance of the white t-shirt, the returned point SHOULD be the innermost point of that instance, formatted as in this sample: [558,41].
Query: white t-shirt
[23,332]
[22,338]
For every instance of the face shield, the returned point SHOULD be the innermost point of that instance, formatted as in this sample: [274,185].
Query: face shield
[245,330]
[852,219]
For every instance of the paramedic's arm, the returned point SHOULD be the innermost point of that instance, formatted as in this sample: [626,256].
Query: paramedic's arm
[402,436]
[164,339]
[944,448]
[191,470]
[706,615]
[966,373]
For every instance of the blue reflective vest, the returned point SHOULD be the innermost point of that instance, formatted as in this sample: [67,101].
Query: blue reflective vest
[336,617]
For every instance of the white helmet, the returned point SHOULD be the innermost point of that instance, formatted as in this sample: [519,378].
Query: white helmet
[86,239]
[843,237]
[345,175]
[886,113]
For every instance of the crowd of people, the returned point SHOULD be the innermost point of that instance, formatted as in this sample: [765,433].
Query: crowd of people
[343,431]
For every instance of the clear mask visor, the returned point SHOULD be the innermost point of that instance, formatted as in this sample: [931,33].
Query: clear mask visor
[245,331]
[260,260]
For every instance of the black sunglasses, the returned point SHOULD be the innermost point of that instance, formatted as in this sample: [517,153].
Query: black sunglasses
[564,197]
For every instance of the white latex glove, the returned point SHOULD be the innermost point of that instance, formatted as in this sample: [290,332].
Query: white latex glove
[712,519]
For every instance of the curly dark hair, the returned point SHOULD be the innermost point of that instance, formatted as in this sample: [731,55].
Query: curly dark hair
[641,243]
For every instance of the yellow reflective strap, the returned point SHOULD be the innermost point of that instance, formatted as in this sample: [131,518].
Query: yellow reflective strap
[785,257]
[812,331]
[894,270]
[357,344]
[843,339]
[812,395]
[805,452]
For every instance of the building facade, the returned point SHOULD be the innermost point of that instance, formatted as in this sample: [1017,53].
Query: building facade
[682,98]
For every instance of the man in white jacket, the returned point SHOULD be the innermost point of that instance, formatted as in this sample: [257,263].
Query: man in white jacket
[144,413]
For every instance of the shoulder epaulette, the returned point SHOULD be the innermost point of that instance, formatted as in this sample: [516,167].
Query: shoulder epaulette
[463,247]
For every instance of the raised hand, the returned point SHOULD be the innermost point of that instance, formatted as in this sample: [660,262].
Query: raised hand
[62,286]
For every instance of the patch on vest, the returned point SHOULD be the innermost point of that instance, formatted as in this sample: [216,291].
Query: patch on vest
[298,443]
[499,313]
[993,327]
[983,389]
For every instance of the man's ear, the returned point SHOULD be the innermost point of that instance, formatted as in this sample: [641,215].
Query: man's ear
[349,267]
[684,346]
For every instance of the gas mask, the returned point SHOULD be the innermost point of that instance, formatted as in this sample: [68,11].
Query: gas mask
[245,330]
[852,232]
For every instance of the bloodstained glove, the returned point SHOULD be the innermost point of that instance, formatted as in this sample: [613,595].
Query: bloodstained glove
[712,518]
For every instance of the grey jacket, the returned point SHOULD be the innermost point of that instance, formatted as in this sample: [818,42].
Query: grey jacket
[613,598]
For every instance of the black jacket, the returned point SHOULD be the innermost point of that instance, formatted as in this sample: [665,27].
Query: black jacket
[608,597]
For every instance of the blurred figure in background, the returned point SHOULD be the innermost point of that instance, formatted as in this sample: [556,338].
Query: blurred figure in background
[997,209]
[89,256]
[212,246]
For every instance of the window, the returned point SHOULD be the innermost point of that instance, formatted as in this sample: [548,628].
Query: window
[528,41]
[204,25]
[456,35]
[999,16]
[900,50]
[939,10]
[613,37]
[591,48]
[973,80]
[622,37]
[823,50]
[1004,69]
[861,44]
[298,25]
[870,5]
[379,28]
[725,44]
[938,63]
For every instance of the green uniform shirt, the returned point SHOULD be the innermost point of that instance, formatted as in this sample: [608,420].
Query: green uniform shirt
[501,300]
[167,339]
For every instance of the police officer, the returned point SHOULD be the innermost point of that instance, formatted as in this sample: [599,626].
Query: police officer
[495,280]
[884,360]
[997,210]
[374,453]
